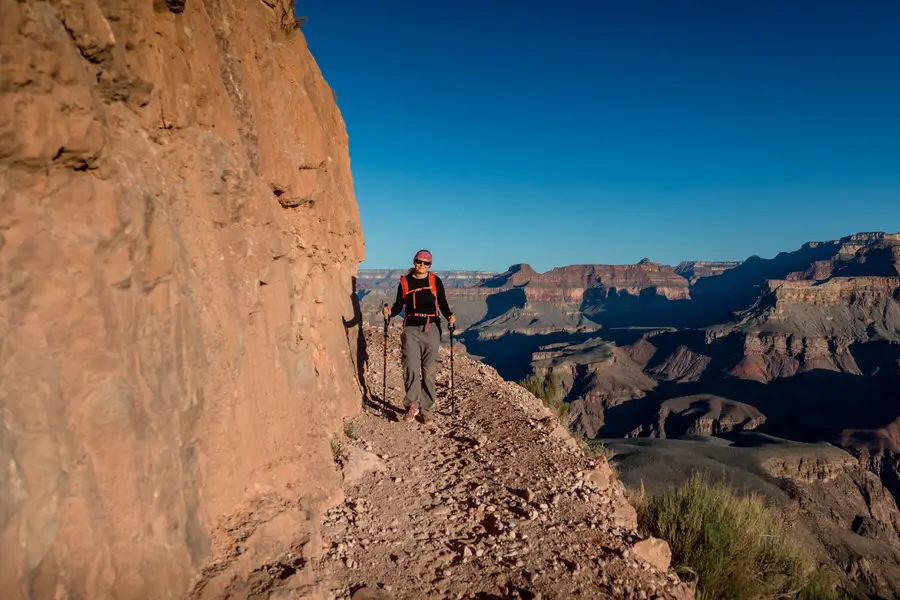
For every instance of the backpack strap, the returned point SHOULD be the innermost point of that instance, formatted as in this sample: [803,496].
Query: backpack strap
[432,286]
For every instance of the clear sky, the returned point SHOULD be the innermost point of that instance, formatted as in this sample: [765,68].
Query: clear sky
[497,132]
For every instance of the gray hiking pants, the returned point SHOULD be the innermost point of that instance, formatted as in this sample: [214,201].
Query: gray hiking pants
[420,348]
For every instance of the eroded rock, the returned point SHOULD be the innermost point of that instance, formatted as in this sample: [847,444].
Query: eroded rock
[654,551]
[357,463]
[154,389]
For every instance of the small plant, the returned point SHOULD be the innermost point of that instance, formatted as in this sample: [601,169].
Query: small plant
[596,448]
[734,547]
[349,431]
[337,452]
[290,21]
[546,388]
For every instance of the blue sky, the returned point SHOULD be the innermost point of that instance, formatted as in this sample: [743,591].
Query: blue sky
[498,132]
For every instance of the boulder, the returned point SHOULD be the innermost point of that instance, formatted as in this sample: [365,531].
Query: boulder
[654,551]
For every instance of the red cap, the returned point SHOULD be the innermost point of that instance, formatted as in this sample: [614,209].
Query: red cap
[423,255]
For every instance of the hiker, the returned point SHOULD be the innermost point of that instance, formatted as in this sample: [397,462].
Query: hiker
[419,295]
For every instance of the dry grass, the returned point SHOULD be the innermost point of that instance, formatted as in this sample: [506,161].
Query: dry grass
[597,448]
[734,547]
[546,388]
[290,22]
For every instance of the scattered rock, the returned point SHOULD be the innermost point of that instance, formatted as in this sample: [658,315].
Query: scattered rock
[358,463]
[600,477]
[314,548]
[367,593]
[623,514]
[654,551]
[522,508]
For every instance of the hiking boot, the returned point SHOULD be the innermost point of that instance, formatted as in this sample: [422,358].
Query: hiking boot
[427,418]
[410,415]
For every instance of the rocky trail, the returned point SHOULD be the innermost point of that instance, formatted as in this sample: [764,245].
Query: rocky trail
[493,500]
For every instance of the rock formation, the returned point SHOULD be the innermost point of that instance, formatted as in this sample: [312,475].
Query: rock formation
[178,238]
[551,300]
[804,346]
[494,500]
[386,279]
[693,271]
[584,283]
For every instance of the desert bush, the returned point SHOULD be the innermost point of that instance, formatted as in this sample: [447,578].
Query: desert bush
[596,448]
[290,21]
[546,388]
[735,547]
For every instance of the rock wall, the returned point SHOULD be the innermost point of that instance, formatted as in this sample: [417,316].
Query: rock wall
[694,271]
[867,292]
[178,241]
[767,357]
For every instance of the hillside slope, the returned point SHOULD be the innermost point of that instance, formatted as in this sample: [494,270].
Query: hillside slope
[841,511]
[178,237]
[494,500]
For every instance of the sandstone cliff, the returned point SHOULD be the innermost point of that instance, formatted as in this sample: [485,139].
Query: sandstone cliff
[386,279]
[178,236]
[576,283]
[693,271]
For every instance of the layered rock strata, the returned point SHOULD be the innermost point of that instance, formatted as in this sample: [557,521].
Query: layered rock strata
[693,271]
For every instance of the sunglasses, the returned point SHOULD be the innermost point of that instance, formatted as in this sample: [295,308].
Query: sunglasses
[422,262]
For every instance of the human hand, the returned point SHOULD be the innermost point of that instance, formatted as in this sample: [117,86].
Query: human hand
[452,320]
[386,312]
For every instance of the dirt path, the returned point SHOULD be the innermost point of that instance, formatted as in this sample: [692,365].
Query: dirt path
[491,501]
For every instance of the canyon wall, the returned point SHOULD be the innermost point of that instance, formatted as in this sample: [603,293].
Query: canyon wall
[178,339]
[388,279]
[693,271]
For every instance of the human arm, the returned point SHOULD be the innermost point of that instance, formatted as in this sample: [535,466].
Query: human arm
[442,301]
[398,304]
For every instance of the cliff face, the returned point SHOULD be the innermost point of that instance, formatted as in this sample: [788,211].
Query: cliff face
[549,299]
[573,282]
[696,270]
[386,279]
[178,236]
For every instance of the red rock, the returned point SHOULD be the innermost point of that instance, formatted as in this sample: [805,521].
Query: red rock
[154,391]
[358,463]
[654,551]
[693,271]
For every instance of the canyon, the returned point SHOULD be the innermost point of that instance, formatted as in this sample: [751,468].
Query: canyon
[727,365]
[186,405]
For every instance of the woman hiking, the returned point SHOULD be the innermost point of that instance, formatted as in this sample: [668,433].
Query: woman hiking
[419,295]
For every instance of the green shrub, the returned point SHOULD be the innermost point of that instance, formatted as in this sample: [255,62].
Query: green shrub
[547,389]
[349,430]
[735,547]
[596,448]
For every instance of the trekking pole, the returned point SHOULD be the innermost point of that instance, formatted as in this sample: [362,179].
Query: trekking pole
[384,369]
[451,327]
